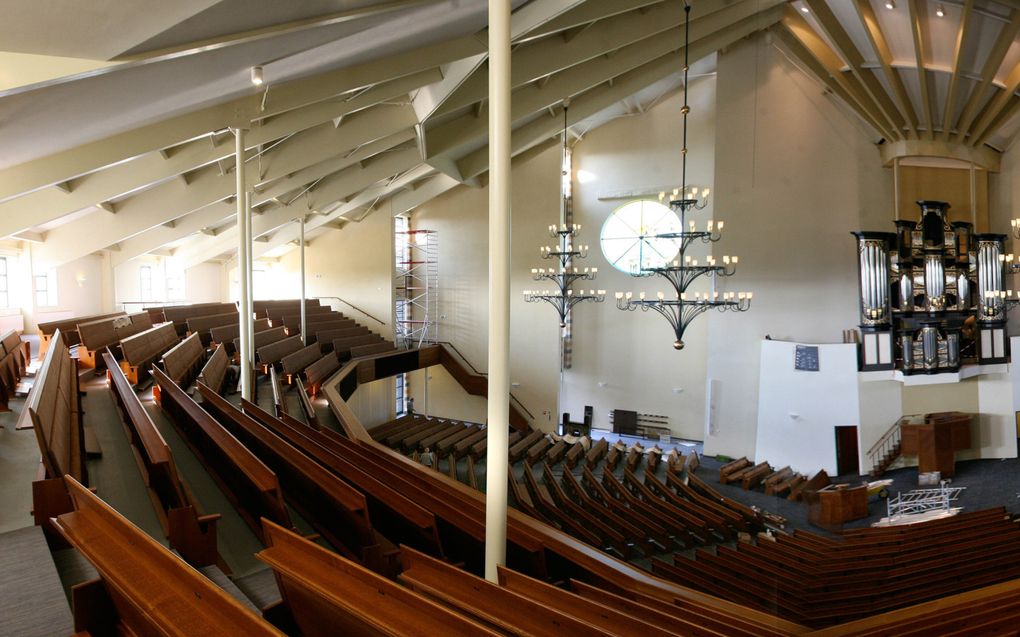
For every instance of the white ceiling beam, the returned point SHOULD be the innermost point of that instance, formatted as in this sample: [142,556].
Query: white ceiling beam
[992,63]
[81,160]
[173,200]
[429,189]
[538,59]
[590,11]
[966,20]
[467,131]
[344,184]
[919,31]
[604,96]
[223,210]
[873,29]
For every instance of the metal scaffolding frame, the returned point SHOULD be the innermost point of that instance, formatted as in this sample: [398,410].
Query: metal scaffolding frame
[923,500]
[416,288]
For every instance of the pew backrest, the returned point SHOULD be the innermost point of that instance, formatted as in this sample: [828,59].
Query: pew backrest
[296,362]
[183,361]
[320,370]
[214,372]
[53,408]
[227,333]
[372,348]
[144,347]
[274,352]
[132,324]
[206,322]
[265,337]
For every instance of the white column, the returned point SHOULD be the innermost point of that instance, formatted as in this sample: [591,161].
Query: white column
[301,238]
[499,287]
[243,265]
[250,322]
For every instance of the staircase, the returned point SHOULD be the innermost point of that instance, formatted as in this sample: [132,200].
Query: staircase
[885,452]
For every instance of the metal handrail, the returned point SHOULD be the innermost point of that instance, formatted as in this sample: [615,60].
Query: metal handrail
[888,440]
[516,400]
[346,302]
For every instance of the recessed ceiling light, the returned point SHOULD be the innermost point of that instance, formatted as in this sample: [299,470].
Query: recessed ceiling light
[940,11]
[256,75]
[890,4]
[804,9]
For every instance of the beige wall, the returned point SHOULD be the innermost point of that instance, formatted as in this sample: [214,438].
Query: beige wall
[794,175]
[436,393]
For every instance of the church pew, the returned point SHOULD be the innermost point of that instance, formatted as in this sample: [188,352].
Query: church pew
[335,509]
[143,349]
[678,528]
[292,364]
[184,361]
[263,338]
[326,326]
[652,459]
[634,455]
[613,457]
[203,324]
[226,334]
[675,461]
[453,428]
[262,307]
[463,447]
[695,524]
[342,346]
[521,497]
[731,517]
[191,534]
[416,440]
[179,314]
[444,446]
[319,371]
[279,315]
[574,455]
[68,329]
[589,611]
[752,517]
[596,453]
[279,404]
[329,595]
[55,412]
[478,449]
[96,336]
[732,467]
[372,348]
[247,482]
[694,462]
[143,588]
[610,535]
[714,521]
[556,452]
[403,519]
[816,482]
[489,602]
[656,530]
[132,324]
[635,533]
[750,478]
[387,428]
[274,352]
[214,372]
[419,424]
[325,337]
[543,500]
[518,449]
[306,406]
[537,451]
[14,356]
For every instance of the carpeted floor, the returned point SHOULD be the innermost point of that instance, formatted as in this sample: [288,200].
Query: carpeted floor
[32,602]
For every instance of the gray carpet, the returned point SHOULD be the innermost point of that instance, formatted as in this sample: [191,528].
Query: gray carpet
[260,587]
[32,602]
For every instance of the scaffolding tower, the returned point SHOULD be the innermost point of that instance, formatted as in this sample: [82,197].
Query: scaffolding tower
[416,288]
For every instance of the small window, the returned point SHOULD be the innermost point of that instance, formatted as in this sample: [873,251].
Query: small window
[5,299]
[401,394]
[46,289]
[145,282]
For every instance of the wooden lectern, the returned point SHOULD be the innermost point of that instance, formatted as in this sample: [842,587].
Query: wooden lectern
[935,439]
[835,504]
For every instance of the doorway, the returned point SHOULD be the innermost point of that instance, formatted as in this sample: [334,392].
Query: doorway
[847,459]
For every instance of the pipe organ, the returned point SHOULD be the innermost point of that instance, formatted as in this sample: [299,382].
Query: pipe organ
[932,295]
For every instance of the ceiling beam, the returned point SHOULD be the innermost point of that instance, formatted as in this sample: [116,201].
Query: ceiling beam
[874,30]
[919,30]
[469,131]
[428,190]
[852,56]
[983,125]
[808,47]
[588,12]
[954,80]
[86,158]
[1005,115]
[992,63]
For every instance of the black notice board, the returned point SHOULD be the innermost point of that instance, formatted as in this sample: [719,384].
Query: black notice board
[806,358]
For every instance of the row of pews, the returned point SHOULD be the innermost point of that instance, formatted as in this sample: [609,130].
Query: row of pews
[783,483]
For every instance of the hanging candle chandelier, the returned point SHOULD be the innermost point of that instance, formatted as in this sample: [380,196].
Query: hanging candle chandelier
[680,307]
[562,275]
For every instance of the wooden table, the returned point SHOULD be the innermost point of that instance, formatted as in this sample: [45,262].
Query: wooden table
[934,439]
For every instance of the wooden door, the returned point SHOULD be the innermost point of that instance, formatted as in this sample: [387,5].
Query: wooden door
[847,460]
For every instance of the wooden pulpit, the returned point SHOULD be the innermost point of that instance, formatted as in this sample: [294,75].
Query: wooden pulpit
[935,439]
[835,504]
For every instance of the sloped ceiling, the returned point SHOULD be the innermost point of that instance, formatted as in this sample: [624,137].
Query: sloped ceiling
[365,101]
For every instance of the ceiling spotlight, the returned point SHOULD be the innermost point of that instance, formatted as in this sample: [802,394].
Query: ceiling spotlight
[940,11]
[256,75]
[804,10]
[890,4]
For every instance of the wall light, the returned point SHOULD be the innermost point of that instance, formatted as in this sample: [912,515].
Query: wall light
[80,278]
[256,75]
[940,11]
[804,10]
[890,4]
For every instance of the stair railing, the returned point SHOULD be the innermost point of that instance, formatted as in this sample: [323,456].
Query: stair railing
[889,441]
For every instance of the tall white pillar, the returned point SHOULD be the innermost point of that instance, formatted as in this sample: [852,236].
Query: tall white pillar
[301,238]
[250,322]
[243,266]
[499,287]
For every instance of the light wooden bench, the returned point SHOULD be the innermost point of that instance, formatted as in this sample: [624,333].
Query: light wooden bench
[184,361]
[68,329]
[143,349]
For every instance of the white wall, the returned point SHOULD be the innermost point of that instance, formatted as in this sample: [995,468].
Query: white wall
[203,283]
[444,397]
[373,403]
[794,175]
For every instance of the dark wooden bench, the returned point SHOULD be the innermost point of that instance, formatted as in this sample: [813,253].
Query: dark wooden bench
[143,588]
[143,349]
[14,358]
[262,307]
[518,449]
[191,534]
[68,329]
[329,595]
[373,348]
[263,338]
[318,372]
[275,351]
[294,363]
[184,361]
[327,336]
[247,482]
[342,346]
[731,468]
[214,372]
[226,334]
[179,314]
[203,324]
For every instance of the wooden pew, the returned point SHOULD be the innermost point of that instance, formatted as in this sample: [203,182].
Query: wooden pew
[55,412]
[190,534]
[710,518]
[543,500]
[317,373]
[68,329]
[132,324]
[326,337]
[596,452]
[306,406]
[226,334]
[295,362]
[611,537]
[463,446]
[143,349]
[96,336]
[203,324]
[342,346]
[263,338]
[275,351]
[261,307]
[179,314]
[731,468]
[817,481]
[328,595]
[537,451]
[184,361]
[14,357]
[694,462]
[335,509]
[754,476]
[392,511]
[330,325]
[636,534]
[374,348]
[143,588]
[518,450]
[574,455]
[248,483]
[214,372]
[556,453]
[487,602]
[588,611]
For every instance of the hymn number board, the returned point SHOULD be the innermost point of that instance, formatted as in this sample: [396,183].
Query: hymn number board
[805,358]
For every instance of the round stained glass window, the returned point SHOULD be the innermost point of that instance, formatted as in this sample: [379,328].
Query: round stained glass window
[629,240]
